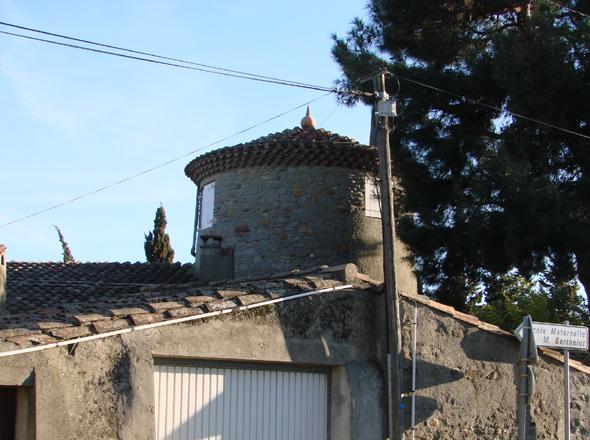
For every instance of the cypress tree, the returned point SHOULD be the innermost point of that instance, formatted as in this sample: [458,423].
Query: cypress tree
[489,194]
[67,256]
[157,243]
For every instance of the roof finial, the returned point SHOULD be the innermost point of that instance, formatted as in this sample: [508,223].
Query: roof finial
[308,122]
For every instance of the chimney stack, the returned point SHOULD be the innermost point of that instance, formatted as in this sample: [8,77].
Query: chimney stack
[2,278]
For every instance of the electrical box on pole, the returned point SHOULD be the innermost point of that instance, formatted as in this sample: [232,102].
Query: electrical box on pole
[387,108]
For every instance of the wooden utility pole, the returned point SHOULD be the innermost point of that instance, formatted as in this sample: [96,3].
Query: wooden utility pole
[383,110]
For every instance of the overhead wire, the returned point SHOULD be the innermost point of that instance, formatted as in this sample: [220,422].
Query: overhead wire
[190,65]
[255,77]
[180,66]
[572,10]
[492,107]
[170,61]
[153,55]
[321,124]
[161,165]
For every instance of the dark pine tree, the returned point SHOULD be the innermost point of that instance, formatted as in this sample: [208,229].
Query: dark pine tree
[157,243]
[66,252]
[489,194]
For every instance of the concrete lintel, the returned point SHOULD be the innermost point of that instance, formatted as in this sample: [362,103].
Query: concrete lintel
[16,376]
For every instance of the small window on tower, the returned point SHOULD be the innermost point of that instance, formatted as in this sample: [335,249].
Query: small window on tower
[207,205]
[372,200]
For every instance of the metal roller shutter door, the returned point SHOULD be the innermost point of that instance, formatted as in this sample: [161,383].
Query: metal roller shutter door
[226,403]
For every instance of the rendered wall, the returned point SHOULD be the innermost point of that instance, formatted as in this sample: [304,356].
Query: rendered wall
[104,389]
[466,377]
[466,384]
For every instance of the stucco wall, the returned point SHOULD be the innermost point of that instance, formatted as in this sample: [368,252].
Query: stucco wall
[466,384]
[104,389]
[466,377]
[282,218]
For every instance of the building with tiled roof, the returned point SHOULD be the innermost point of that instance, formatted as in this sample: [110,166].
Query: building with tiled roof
[273,333]
[38,286]
[298,198]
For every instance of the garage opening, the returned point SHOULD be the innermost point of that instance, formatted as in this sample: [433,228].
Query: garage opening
[227,401]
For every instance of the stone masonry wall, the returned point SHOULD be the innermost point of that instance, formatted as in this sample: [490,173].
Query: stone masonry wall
[283,218]
[466,384]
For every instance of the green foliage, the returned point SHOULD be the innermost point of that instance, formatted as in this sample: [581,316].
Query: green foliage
[66,252]
[157,243]
[488,192]
[509,297]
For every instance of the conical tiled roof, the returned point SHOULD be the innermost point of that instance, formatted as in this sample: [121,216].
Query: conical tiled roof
[293,147]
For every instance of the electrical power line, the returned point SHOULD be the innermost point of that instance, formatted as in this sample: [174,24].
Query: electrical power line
[180,66]
[493,107]
[161,165]
[138,52]
[255,77]
[560,5]
[170,61]
[321,124]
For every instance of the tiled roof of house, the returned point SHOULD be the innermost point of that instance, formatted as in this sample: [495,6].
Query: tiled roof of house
[158,303]
[295,147]
[36,286]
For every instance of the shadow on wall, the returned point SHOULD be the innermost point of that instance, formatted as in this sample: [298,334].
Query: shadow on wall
[425,408]
[479,345]
[430,375]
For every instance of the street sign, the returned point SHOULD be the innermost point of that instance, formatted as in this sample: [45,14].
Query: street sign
[562,336]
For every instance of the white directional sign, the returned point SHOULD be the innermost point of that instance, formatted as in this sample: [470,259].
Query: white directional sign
[566,337]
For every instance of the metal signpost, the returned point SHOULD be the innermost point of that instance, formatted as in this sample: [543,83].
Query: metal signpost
[544,334]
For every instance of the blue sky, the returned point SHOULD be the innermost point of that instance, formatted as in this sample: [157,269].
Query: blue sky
[73,121]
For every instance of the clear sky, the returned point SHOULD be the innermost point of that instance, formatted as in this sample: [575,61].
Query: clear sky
[73,121]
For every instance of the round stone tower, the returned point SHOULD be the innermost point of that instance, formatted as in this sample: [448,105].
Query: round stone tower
[290,200]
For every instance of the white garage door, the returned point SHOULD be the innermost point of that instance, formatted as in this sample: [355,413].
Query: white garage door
[226,403]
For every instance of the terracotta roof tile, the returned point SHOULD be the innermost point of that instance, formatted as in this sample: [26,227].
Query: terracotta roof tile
[223,294]
[198,299]
[110,325]
[305,147]
[251,298]
[162,306]
[90,317]
[125,311]
[48,325]
[184,312]
[10,333]
[46,286]
[146,318]
[71,332]
[69,321]
[215,306]
[36,339]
